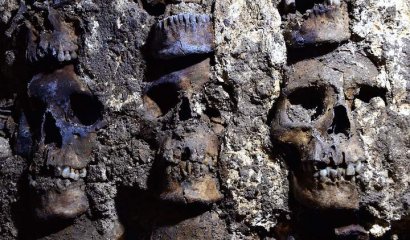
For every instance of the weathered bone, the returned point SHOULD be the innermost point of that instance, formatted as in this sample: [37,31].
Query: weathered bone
[59,43]
[314,126]
[323,24]
[63,141]
[182,35]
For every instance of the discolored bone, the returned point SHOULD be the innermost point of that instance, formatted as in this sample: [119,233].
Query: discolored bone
[166,92]
[355,232]
[66,204]
[323,24]
[314,127]
[187,167]
[182,35]
[203,226]
[59,43]
[63,129]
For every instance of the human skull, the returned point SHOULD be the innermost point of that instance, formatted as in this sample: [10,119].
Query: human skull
[314,127]
[64,122]
[315,22]
[188,150]
[59,43]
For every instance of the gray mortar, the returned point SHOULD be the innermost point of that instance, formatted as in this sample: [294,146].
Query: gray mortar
[247,72]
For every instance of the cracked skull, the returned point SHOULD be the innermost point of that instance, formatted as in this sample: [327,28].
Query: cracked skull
[315,22]
[188,151]
[313,126]
[63,123]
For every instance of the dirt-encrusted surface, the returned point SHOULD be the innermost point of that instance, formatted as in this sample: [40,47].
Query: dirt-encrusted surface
[204,119]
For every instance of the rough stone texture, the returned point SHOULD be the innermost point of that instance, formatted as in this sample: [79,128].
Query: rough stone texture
[247,69]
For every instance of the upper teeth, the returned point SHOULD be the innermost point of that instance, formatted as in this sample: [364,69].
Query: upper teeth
[68,172]
[333,2]
[350,171]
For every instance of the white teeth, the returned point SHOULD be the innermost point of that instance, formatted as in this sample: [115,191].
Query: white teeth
[359,167]
[290,2]
[332,172]
[350,171]
[83,173]
[341,172]
[66,172]
[333,2]
[71,173]
[323,173]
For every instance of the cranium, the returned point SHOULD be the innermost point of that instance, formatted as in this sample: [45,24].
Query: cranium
[313,126]
[188,152]
[63,124]
[59,43]
[314,22]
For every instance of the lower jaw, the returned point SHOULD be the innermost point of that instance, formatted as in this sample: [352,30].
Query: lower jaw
[326,196]
[201,191]
[64,205]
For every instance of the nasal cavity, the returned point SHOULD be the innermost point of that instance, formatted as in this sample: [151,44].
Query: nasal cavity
[185,110]
[341,123]
[51,131]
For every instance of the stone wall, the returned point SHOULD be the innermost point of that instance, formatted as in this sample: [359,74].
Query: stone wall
[204,119]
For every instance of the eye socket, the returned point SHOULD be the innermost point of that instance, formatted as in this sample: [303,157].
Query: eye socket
[162,98]
[86,108]
[306,103]
[366,93]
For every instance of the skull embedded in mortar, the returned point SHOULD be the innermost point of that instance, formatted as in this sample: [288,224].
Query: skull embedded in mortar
[315,22]
[188,149]
[314,128]
[60,43]
[63,122]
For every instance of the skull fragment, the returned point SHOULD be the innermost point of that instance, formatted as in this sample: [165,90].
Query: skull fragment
[314,129]
[59,43]
[63,122]
[188,151]
[311,22]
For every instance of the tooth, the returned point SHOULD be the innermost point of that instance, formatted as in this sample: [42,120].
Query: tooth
[350,169]
[73,55]
[290,2]
[182,167]
[67,56]
[341,172]
[66,172]
[83,173]
[60,56]
[73,174]
[359,167]
[33,183]
[332,173]
[323,174]
[316,175]
[189,168]
[335,2]
[58,171]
